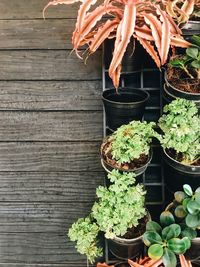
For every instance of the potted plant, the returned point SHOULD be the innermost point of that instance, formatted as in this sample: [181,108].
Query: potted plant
[186,210]
[121,108]
[146,21]
[183,73]
[129,147]
[119,213]
[180,125]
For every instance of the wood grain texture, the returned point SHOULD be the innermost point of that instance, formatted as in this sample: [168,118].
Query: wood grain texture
[38,248]
[36,34]
[31,9]
[66,264]
[48,65]
[50,126]
[50,95]
[50,186]
[49,156]
[41,217]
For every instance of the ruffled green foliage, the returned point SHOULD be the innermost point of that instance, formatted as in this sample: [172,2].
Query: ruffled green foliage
[164,240]
[130,141]
[181,127]
[120,206]
[85,232]
[188,206]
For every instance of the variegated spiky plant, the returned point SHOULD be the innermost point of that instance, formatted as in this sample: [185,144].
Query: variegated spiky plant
[145,20]
[181,10]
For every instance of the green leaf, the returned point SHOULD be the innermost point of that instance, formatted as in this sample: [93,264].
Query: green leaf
[155,251]
[195,64]
[171,231]
[197,196]
[154,227]
[150,238]
[179,196]
[187,242]
[180,211]
[192,52]
[193,221]
[169,258]
[193,207]
[185,202]
[187,189]
[189,232]
[177,245]
[196,40]
[166,218]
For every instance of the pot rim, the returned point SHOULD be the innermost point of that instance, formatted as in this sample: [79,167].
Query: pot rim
[178,162]
[150,155]
[131,90]
[176,89]
[120,239]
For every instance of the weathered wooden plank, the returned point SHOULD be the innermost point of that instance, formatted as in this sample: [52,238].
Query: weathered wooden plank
[66,264]
[37,248]
[36,34]
[48,65]
[49,187]
[49,156]
[21,217]
[23,9]
[50,126]
[50,95]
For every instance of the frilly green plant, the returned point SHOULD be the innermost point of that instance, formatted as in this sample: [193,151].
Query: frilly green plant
[130,141]
[164,240]
[180,124]
[120,206]
[85,232]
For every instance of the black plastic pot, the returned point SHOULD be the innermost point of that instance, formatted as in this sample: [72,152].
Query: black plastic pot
[122,264]
[122,107]
[170,93]
[193,253]
[177,174]
[126,248]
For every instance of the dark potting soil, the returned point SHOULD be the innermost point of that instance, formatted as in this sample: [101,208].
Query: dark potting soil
[179,79]
[179,157]
[136,231]
[134,164]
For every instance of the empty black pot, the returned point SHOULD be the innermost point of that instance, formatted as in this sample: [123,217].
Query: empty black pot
[124,106]
[177,174]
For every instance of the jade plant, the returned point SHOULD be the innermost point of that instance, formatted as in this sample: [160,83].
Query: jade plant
[165,240]
[187,207]
[118,208]
[180,124]
[131,141]
[190,61]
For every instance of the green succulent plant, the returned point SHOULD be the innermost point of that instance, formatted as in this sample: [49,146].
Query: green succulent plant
[130,141]
[190,62]
[180,124]
[120,206]
[164,240]
[85,232]
[188,206]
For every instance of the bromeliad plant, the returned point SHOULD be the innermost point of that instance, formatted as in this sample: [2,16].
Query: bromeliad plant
[165,240]
[129,142]
[180,124]
[147,21]
[119,207]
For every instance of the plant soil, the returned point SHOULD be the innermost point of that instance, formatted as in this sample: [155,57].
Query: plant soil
[179,156]
[135,232]
[106,151]
[179,79]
